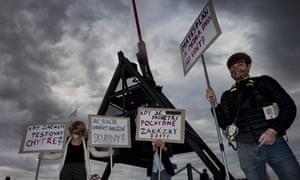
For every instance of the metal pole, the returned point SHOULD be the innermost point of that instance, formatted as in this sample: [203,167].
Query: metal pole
[37,169]
[137,23]
[159,168]
[216,121]
[141,43]
[189,171]
[111,160]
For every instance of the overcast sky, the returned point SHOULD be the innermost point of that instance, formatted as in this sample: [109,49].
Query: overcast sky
[59,55]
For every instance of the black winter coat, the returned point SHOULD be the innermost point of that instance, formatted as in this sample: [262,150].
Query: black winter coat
[169,167]
[245,102]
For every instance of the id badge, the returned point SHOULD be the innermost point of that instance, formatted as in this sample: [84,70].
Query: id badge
[271,111]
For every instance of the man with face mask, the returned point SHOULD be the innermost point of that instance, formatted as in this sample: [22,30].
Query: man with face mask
[75,164]
[256,112]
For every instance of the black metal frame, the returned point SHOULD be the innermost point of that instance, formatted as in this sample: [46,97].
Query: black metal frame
[129,90]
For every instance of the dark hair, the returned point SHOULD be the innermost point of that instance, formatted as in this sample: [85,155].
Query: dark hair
[238,57]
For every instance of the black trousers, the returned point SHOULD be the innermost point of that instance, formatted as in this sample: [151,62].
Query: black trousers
[73,171]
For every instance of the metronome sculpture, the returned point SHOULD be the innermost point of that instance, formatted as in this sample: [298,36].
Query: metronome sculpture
[129,90]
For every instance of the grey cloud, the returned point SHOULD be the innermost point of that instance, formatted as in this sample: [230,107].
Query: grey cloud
[58,55]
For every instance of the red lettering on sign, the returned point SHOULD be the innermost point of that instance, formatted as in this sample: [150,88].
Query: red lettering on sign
[41,141]
[188,60]
[198,46]
[206,22]
[195,39]
[158,123]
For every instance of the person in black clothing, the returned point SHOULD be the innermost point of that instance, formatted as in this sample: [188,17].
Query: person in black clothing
[256,112]
[75,158]
[204,175]
[152,150]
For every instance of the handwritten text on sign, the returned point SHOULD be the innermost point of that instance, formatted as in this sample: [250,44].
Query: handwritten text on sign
[41,137]
[202,33]
[109,131]
[159,123]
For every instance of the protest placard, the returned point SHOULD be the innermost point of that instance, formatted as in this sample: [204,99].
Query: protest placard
[43,137]
[201,35]
[109,131]
[160,123]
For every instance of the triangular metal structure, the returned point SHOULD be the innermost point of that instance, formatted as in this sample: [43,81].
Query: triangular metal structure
[129,90]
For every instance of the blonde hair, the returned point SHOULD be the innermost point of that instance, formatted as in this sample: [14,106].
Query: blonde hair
[78,125]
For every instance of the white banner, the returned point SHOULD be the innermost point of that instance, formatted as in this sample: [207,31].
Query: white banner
[43,137]
[109,131]
[160,123]
[201,35]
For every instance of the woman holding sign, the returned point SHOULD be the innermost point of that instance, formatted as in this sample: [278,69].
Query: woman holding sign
[75,164]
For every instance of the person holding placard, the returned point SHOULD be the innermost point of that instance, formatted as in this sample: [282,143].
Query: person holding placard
[255,113]
[75,164]
[155,167]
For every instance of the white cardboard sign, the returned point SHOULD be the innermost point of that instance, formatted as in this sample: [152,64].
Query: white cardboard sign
[43,137]
[109,131]
[200,36]
[160,123]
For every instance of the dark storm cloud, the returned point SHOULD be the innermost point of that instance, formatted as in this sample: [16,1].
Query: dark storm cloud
[281,37]
[56,55]
[28,26]
[24,64]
